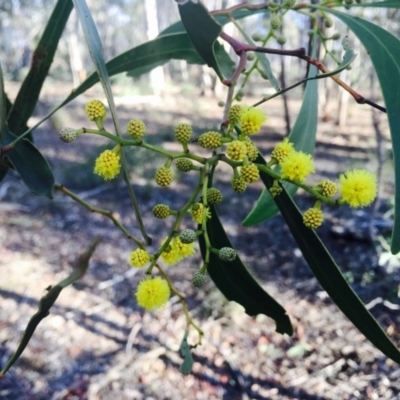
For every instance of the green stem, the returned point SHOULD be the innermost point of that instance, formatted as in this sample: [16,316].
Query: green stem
[189,320]
[177,222]
[106,213]
[307,188]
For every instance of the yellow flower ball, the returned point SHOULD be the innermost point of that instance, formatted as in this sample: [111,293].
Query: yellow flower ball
[328,188]
[153,293]
[197,212]
[250,173]
[358,187]
[136,128]
[139,258]
[177,251]
[235,113]
[107,165]
[252,150]
[95,109]
[282,150]
[236,150]
[251,120]
[297,166]
[313,218]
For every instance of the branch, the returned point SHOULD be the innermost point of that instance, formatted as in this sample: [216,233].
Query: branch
[242,48]
[106,213]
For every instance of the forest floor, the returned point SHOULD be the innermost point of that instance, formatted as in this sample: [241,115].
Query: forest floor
[98,344]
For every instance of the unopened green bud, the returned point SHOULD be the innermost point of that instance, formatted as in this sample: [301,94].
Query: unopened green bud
[183,164]
[187,236]
[161,211]
[328,22]
[335,36]
[288,3]
[214,196]
[256,37]
[68,135]
[275,22]
[227,254]
[273,6]
[281,40]
[199,279]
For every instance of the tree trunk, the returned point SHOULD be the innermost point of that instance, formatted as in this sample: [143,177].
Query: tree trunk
[157,79]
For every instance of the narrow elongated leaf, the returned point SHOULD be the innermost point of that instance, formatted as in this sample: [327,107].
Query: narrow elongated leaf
[348,57]
[237,284]
[28,94]
[329,275]
[379,4]
[184,349]
[383,48]
[303,136]
[178,26]
[235,281]
[203,31]
[33,168]
[96,51]
[157,52]
[47,301]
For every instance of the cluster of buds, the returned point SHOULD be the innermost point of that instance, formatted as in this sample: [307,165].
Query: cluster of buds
[234,147]
[357,187]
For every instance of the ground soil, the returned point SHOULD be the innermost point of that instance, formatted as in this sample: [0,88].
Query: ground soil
[98,344]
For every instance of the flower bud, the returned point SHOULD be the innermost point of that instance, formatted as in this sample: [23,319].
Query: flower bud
[68,135]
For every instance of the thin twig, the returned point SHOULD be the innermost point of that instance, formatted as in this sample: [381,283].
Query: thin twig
[106,213]
[241,48]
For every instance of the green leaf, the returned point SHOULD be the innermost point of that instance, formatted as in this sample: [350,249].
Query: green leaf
[383,49]
[203,30]
[236,283]
[175,46]
[184,349]
[95,47]
[96,51]
[329,274]
[33,168]
[3,108]
[348,58]
[303,136]
[382,4]
[178,26]
[28,94]
[47,301]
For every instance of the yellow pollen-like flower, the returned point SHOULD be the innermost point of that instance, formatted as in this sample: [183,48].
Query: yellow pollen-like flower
[107,165]
[136,128]
[358,187]
[177,251]
[197,211]
[328,188]
[95,109]
[238,184]
[251,120]
[236,150]
[250,173]
[252,150]
[313,218]
[282,150]
[297,166]
[139,258]
[235,113]
[153,293]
